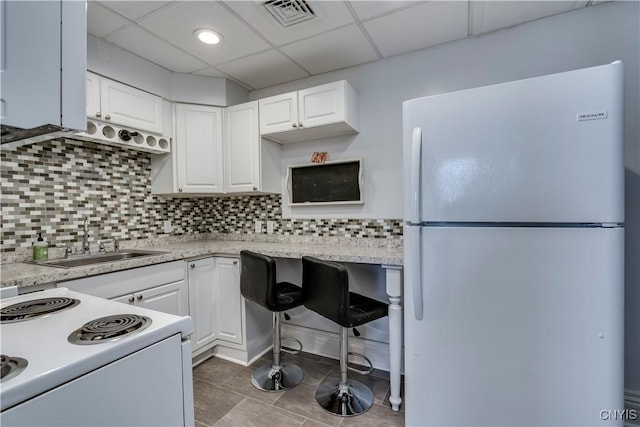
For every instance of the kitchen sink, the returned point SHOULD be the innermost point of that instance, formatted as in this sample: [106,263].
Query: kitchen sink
[83,260]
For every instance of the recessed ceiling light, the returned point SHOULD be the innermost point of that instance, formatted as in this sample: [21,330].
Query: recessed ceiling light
[208,36]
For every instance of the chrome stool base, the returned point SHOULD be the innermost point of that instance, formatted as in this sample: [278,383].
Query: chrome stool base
[347,400]
[269,377]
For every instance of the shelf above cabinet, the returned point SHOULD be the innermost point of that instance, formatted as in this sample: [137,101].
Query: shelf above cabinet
[110,134]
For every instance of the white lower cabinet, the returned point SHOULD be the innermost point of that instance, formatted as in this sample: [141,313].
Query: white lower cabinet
[160,287]
[202,300]
[229,306]
[207,289]
[171,298]
[224,323]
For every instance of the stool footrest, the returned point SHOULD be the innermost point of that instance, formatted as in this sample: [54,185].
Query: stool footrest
[360,371]
[288,349]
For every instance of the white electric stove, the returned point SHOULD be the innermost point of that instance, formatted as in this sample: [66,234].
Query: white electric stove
[77,360]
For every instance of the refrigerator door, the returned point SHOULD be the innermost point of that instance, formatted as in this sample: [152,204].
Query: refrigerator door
[522,326]
[547,149]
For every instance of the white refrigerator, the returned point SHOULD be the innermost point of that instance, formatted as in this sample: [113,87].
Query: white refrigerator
[513,249]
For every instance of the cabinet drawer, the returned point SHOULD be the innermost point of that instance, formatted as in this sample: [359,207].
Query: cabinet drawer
[113,285]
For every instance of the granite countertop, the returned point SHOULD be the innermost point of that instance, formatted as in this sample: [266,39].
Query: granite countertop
[364,251]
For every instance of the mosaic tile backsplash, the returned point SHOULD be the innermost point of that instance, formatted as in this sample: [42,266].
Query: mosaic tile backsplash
[50,187]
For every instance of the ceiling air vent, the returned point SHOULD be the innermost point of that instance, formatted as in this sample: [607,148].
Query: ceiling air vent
[289,12]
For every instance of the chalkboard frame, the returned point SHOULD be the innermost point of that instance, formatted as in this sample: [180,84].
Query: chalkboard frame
[359,182]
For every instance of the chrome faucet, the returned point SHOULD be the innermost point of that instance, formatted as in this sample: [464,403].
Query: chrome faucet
[86,249]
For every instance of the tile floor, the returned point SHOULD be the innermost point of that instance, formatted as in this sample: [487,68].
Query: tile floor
[224,396]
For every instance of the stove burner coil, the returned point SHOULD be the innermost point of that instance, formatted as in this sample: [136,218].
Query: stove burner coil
[108,328]
[11,366]
[35,308]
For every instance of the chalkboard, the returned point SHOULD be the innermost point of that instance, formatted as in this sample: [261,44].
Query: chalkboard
[327,183]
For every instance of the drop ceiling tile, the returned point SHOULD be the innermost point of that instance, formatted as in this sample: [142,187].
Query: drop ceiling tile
[133,9]
[492,15]
[418,27]
[145,45]
[336,49]
[101,21]
[263,69]
[369,9]
[179,21]
[329,15]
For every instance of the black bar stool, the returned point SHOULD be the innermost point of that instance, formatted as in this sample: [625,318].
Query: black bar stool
[258,284]
[325,287]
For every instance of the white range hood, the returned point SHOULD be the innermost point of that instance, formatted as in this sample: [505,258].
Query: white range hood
[44,45]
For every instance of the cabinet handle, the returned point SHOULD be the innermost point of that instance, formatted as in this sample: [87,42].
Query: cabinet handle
[295,125]
[139,297]
[255,188]
[235,262]
[300,124]
[193,266]
[180,190]
[108,117]
[98,114]
[130,299]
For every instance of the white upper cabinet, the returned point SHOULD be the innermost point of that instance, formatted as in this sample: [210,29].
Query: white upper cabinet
[124,105]
[279,113]
[318,112]
[250,164]
[198,148]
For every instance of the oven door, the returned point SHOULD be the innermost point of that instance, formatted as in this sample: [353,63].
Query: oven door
[136,390]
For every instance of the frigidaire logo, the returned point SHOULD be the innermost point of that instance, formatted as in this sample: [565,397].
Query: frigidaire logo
[592,115]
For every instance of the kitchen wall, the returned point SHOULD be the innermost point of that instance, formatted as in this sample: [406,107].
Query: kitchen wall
[50,187]
[587,37]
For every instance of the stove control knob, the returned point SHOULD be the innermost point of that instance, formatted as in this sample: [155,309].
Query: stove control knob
[130,299]
[139,297]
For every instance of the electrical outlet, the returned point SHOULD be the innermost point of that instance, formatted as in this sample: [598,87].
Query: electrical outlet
[270,226]
[166,226]
[258,227]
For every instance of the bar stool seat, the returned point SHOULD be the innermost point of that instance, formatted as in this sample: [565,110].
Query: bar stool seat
[325,287]
[258,284]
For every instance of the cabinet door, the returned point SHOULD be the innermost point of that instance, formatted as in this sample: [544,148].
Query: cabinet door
[128,106]
[278,113]
[198,147]
[171,298]
[93,96]
[242,148]
[229,307]
[202,301]
[322,105]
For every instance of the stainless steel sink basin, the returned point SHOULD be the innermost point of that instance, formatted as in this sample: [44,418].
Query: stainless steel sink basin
[83,260]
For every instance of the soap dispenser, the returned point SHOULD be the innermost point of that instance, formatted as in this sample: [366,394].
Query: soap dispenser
[40,249]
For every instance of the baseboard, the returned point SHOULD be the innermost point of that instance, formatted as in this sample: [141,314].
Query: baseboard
[231,352]
[328,344]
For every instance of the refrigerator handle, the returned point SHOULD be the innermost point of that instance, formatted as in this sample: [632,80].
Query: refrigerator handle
[414,185]
[413,266]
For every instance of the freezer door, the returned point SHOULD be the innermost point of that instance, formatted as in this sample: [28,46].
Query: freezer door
[522,326]
[546,149]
